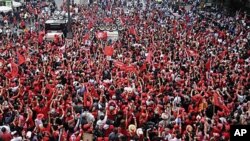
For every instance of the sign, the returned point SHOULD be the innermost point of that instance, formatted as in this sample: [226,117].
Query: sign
[113,35]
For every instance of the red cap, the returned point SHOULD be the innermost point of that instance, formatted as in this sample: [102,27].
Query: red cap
[40,116]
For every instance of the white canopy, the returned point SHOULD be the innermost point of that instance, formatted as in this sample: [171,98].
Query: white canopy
[5,9]
[16,4]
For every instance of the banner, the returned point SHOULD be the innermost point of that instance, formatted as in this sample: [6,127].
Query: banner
[119,64]
[101,35]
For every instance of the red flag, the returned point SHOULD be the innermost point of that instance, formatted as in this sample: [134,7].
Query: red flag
[197,98]
[222,55]
[101,35]
[208,65]
[85,39]
[143,67]
[130,69]
[132,31]
[14,69]
[21,59]
[40,37]
[119,64]
[219,102]
[108,51]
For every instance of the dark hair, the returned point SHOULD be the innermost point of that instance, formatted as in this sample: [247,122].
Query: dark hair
[102,117]
[3,129]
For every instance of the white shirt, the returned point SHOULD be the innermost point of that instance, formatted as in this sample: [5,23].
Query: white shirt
[175,139]
[17,139]
[101,123]
[89,117]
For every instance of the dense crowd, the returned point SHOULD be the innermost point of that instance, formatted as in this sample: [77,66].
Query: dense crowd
[171,77]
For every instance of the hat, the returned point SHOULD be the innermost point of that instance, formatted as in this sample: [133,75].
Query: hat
[164,116]
[139,131]
[40,116]
[131,128]
[111,108]
[106,126]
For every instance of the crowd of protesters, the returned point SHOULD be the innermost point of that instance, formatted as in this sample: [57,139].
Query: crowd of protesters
[171,77]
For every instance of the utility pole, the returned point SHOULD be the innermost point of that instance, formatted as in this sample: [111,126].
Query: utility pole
[69,33]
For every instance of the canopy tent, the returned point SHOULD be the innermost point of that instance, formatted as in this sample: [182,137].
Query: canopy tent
[5,9]
[16,4]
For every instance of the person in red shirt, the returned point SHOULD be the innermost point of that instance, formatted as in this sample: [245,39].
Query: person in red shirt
[5,136]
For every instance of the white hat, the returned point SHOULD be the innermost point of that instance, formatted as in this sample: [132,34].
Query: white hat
[164,116]
[139,131]
[106,126]
[28,135]
[111,108]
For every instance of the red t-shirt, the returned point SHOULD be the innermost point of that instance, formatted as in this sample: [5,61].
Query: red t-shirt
[6,137]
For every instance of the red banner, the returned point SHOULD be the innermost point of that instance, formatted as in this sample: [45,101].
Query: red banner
[119,64]
[102,35]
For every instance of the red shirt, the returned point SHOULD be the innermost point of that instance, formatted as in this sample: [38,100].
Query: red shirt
[6,137]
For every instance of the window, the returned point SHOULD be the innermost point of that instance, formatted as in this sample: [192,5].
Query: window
[8,3]
[2,3]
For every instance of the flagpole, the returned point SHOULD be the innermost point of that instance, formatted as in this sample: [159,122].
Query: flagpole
[213,106]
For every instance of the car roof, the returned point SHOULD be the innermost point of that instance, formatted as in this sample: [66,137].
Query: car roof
[55,21]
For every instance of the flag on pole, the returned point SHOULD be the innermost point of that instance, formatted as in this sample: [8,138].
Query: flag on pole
[219,102]
[21,58]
